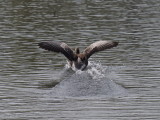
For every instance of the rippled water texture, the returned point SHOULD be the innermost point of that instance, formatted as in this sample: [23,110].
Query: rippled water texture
[119,84]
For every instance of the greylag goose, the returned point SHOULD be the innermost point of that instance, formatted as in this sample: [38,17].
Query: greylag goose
[76,59]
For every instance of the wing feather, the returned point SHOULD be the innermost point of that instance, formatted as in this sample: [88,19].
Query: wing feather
[58,47]
[99,46]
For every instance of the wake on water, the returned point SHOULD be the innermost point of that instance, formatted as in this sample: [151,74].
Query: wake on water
[97,80]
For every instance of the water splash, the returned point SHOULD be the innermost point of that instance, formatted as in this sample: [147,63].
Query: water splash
[95,81]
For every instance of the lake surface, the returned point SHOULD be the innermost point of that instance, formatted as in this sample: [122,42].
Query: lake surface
[122,83]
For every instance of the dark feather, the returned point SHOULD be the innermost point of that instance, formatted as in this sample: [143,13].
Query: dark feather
[58,47]
[99,46]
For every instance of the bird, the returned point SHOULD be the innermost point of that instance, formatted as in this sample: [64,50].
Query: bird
[76,59]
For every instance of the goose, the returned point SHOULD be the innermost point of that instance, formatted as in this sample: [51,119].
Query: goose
[76,59]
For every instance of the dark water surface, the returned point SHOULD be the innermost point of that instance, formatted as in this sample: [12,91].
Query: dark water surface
[122,83]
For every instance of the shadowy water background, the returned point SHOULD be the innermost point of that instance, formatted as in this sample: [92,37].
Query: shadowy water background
[120,84]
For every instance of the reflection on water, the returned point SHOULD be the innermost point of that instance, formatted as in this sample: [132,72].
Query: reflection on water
[34,84]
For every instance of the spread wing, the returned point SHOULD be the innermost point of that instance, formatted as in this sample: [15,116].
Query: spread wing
[58,47]
[99,46]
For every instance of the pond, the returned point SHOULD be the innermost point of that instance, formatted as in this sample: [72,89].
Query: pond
[121,83]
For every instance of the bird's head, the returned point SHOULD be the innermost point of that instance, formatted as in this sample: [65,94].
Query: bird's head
[77,51]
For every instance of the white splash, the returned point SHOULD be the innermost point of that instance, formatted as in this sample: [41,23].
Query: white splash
[94,81]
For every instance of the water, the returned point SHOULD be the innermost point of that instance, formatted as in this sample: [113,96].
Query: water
[120,84]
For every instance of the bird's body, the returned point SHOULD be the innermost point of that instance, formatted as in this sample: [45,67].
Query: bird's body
[76,59]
